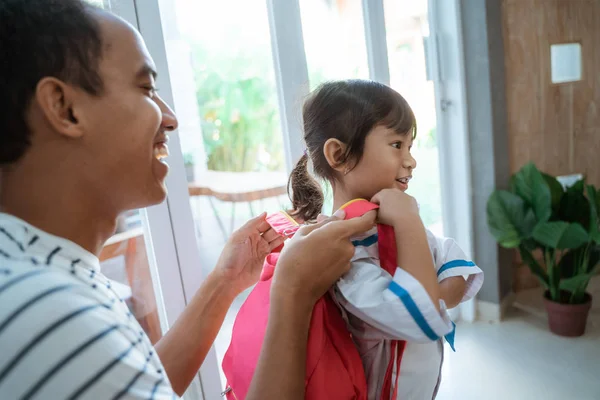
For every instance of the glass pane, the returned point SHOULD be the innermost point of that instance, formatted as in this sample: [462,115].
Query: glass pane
[334,40]
[223,82]
[124,260]
[406,23]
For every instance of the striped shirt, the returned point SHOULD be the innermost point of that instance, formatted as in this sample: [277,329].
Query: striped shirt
[64,331]
[379,308]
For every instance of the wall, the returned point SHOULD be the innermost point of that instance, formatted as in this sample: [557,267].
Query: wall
[486,118]
[557,126]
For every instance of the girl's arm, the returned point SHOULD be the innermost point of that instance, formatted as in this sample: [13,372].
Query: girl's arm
[452,290]
[381,306]
[459,278]
[414,255]
[406,306]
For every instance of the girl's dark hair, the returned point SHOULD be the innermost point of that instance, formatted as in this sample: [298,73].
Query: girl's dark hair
[347,111]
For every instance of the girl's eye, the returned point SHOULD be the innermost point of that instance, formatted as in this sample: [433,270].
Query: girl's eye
[397,145]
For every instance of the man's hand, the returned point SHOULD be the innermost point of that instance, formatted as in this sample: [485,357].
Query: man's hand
[242,258]
[317,256]
[183,349]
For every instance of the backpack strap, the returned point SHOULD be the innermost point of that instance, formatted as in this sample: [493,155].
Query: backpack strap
[358,208]
[283,224]
[286,226]
[388,258]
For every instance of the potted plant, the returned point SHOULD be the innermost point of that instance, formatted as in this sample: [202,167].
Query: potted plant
[556,231]
[188,162]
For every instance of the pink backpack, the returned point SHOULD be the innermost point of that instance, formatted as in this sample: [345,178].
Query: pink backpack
[334,369]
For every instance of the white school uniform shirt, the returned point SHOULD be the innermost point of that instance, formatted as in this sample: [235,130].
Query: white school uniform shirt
[64,331]
[379,308]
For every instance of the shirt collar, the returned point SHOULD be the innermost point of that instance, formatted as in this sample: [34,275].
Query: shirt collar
[22,241]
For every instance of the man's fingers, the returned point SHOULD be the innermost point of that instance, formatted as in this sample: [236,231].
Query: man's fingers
[270,235]
[276,243]
[352,227]
[338,216]
[259,223]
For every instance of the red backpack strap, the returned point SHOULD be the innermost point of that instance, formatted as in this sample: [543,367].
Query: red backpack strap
[388,259]
[397,350]
[358,208]
[386,237]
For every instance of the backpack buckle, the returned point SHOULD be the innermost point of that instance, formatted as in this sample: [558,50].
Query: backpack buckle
[226,391]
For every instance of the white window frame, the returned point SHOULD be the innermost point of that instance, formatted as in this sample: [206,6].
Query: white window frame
[446,52]
[291,73]
[159,234]
[178,246]
[376,40]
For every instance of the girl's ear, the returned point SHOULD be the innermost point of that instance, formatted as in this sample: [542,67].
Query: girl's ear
[334,151]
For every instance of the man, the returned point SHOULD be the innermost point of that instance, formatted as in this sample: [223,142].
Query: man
[83,135]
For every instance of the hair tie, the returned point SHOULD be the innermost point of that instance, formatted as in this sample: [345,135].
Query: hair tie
[306,152]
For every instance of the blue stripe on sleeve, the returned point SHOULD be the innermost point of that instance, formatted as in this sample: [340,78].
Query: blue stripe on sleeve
[413,310]
[371,240]
[455,264]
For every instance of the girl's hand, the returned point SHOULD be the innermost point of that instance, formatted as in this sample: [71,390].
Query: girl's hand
[396,208]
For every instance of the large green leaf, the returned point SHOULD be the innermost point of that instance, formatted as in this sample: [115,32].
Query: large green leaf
[560,235]
[505,213]
[568,264]
[578,186]
[571,262]
[529,222]
[556,191]
[532,187]
[574,206]
[576,282]
[594,231]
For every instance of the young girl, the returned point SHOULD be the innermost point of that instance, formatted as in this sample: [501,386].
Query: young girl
[358,137]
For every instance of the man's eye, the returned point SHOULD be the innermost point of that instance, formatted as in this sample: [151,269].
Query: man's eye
[151,90]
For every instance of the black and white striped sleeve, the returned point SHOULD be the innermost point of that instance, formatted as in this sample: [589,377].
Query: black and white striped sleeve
[60,338]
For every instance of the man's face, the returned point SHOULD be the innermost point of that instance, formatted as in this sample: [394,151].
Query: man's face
[126,126]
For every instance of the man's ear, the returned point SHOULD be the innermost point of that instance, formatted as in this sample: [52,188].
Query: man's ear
[57,101]
[335,151]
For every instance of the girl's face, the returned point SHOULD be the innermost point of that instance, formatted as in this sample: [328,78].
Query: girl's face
[386,163]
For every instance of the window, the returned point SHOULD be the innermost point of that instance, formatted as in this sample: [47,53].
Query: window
[406,25]
[334,40]
[124,260]
[223,81]
[128,258]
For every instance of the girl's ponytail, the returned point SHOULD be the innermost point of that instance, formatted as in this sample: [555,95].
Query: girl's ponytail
[304,192]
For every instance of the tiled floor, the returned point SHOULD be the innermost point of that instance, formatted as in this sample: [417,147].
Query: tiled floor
[519,359]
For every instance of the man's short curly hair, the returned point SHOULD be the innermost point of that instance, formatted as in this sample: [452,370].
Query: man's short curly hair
[41,38]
